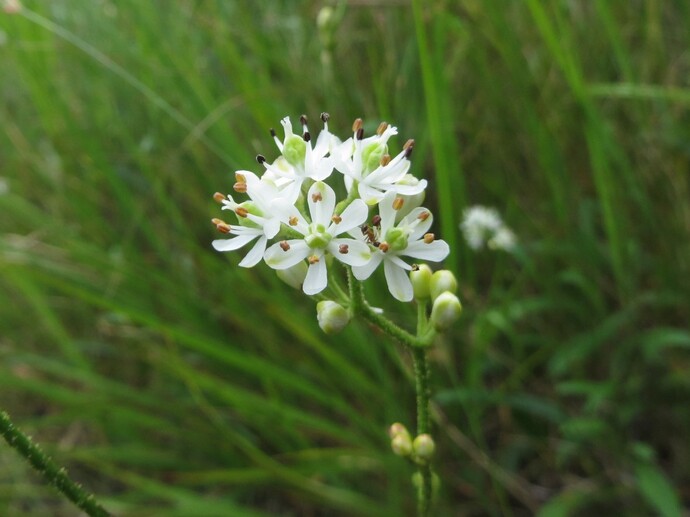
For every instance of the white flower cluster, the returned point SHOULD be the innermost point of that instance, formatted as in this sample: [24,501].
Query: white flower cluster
[378,222]
[483,226]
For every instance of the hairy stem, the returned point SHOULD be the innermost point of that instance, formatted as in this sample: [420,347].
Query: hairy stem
[422,374]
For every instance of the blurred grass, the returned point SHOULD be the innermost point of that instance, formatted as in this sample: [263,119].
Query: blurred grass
[174,383]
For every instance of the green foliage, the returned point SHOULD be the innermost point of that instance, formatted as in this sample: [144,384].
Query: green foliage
[176,383]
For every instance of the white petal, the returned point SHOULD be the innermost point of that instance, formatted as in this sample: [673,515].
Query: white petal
[277,258]
[317,277]
[410,190]
[369,195]
[387,212]
[271,227]
[399,283]
[255,254]
[321,199]
[352,217]
[422,226]
[434,251]
[390,173]
[358,253]
[365,271]
[235,243]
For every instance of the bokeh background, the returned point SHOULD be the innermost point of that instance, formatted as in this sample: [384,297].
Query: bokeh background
[173,383]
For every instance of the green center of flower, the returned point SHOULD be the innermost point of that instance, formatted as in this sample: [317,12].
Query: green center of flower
[371,156]
[251,208]
[294,150]
[396,239]
[318,236]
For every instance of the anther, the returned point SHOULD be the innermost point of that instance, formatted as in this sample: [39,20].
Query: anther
[217,221]
[316,197]
[273,132]
[409,143]
[313,259]
[324,117]
[423,216]
[260,158]
[385,160]
[382,127]
[428,238]
[218,197]
[398,202]
[223,228]
[303,120]
[360,134]
[284,245]
[415,267]
[293,220]
[336,219]
[241,211]
[357,125]
[306,136]
[240,187]
[241,178]
[383,246]
[343,248]
[376,220]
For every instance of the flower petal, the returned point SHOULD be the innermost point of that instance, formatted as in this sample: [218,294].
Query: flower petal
[358,253]
[235,243]
[369,195]
[277,258]
[387,212]
[434,251]
[321,200]
[255,255]
[365,271]
[422,226]
[399,283]
[352,217]
[317,277]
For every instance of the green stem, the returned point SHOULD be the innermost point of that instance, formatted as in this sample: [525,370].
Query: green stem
[422,374]
[53,474]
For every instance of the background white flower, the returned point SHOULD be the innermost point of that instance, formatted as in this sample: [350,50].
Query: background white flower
[483,226]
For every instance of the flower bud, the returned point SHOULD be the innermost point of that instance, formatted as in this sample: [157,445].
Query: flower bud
[442,281]
[396,429]
[445,311]
[402,444]
[332,316]
[294,276]
[424,446]
[421,282]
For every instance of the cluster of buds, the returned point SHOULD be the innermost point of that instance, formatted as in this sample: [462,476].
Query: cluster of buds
[420,450]
[440,288]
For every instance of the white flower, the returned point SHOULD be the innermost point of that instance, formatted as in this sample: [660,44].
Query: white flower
[319,236]
[481,225]
[408,238]
[256,218]
[365,161]
[299,160]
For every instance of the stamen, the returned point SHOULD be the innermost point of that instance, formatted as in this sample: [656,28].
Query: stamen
[409,143]
[343,248]
[306,136]
[408,152]
[423,216]
[273,132]
[313,259]
[376,220]
[383,246]
[428,238]
[398,203]
[260,158]
[336,219]
[382,127]
[357,125]
[218,197]
[241,178]
[217,221]
[284,245]
[241,211]
[240,187]
[324,117]
[360,134]
[223,228]
[415,267]
[385,160]
[303,120]
[293,220]
[316,197]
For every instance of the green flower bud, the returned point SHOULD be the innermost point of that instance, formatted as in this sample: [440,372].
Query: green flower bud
[396,429]
[332,316]
[294,276]
[442,281]
[424,447]
[401,444]
[421,282]
[396,238]
[445,311]
[294,150]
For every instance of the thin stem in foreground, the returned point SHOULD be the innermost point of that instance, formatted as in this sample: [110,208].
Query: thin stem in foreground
[53,474]
[422,374]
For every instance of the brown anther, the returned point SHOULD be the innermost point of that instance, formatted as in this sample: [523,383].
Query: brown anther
[273,132]
[324,117]
[383,246]
[313,259]
[408,152]
[398,203]
[293,220]
[357,125]
[218,197]
[376,220]
[336,219]
[260,158]
[343,248]
[428,238]
[240,187]
[376,244]
[303,120]
[217,221]
[241,211]
[409,143]
[284,245]
[240,178]
[423,216]
[382,127]
[316,197]
[223,228]
[385,160]
[306,136]
[415,267]
[360,134]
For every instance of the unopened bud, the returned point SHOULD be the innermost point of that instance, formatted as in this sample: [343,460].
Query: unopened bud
[421,281]
[445,311]
[294,276]
[442,281]
[396,429]
[424,447]
[401,445]
[332,316]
